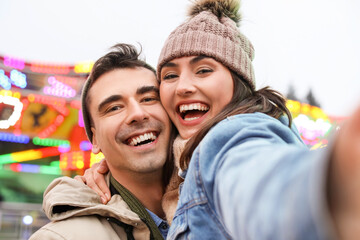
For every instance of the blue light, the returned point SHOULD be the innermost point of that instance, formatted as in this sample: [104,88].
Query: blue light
[18,78]
[85,145]
[31,168]
[4,80]
[8,137]
[64,148]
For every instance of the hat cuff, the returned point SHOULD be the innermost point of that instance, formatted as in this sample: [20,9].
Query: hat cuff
[224,50]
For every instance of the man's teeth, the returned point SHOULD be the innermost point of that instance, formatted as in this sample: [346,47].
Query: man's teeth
[194,106]
[142,138]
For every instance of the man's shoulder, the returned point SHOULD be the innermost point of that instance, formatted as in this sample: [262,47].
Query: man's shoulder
[82,227]
[65,191]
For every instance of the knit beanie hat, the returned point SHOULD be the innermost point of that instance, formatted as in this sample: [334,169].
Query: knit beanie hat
[212,31]
[85,113]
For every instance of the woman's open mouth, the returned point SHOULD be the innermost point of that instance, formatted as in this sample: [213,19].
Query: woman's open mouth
[193,111]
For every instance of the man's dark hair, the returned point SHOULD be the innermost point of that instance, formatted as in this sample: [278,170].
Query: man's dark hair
[122,56]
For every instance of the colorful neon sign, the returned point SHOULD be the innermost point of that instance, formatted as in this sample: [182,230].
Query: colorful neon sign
[53,169]
[4,80]
[57,103]
[59,89]
[16,112]
[9,137]
[7,93]
[16,78]
[14,62]
[43,68]
[50,142]
[72,160]
[29,155]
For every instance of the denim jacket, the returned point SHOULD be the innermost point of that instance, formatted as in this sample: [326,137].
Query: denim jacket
[252,177]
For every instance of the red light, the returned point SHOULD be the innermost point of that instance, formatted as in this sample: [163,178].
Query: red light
[56,69]
[16,167]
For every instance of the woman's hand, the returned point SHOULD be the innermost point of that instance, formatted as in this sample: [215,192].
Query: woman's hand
[95,179]
[344,179]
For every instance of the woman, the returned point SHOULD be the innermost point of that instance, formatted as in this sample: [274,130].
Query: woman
[247,173]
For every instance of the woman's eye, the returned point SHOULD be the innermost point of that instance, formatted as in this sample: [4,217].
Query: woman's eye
[204,70]
[170,76]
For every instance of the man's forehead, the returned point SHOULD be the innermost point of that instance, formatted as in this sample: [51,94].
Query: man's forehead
[124,82]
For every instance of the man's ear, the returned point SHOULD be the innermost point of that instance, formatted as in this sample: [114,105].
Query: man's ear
[95,147]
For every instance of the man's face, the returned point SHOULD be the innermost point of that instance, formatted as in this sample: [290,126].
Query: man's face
[130,126]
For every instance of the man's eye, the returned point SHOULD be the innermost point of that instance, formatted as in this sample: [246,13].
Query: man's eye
[114,108]
[170,76]
[150,99]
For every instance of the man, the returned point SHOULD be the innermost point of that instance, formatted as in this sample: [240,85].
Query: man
[124,120]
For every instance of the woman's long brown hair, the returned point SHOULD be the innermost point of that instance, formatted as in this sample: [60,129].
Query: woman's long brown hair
[244,100]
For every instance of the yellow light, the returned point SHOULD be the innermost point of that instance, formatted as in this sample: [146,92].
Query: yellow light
[293,106]
[305,109]
[318,113]
[78,159]
[26,155]
[8,93]
[80,164]
[83,67]
[31,97]
[94,158]
[63,164]
[63,161]
[17,95]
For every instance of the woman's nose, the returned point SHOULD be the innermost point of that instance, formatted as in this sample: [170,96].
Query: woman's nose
[185,85]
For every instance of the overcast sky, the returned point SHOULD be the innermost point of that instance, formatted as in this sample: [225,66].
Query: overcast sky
[308,43]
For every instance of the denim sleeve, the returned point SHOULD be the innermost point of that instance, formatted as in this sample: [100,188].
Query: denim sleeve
[273,191]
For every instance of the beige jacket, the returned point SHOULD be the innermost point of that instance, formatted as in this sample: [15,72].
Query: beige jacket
[76,212]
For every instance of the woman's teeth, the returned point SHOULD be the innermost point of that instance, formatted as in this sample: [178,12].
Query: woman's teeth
[193,111]
[194,106]
[190,119]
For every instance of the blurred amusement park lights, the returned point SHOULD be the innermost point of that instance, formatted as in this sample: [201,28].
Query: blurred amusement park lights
[13,111]
[313,124]
[28,88]
[59,89]
[14,62]
[27,220]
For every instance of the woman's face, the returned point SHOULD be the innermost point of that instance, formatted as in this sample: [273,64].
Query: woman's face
[193,90]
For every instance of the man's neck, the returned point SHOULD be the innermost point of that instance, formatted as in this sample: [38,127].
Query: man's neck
[147,188]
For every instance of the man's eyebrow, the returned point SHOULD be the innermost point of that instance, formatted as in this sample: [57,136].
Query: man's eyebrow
[146,89]
[108,100]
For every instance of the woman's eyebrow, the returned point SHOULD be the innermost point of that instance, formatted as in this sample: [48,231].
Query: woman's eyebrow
[197,59]
[170,64]
[192,61]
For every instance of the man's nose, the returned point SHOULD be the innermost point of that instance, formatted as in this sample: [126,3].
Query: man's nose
[136,113]
[185,85]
